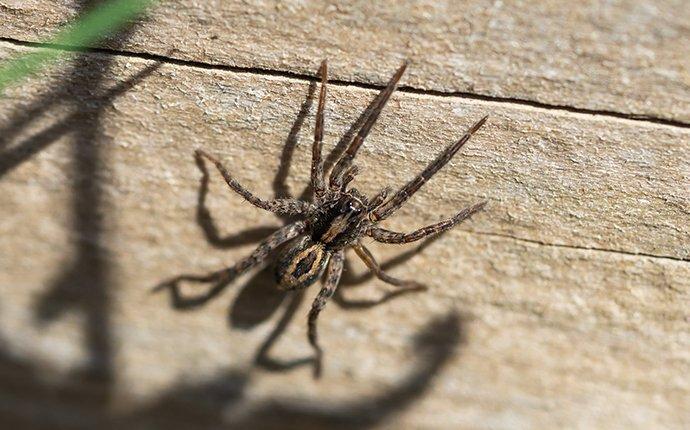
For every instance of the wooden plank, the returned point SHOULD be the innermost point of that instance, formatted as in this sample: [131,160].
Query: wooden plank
[550,177]
[100,206]
[630,57]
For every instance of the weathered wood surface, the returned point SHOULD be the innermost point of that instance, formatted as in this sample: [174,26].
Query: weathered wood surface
[532,329]
[630,57]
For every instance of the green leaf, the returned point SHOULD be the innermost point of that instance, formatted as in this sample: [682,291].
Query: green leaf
[87,31]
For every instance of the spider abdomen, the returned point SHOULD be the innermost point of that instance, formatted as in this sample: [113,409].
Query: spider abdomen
[301,264]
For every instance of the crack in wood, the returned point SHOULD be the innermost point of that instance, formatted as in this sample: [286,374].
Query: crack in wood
[364,85]
[574,247]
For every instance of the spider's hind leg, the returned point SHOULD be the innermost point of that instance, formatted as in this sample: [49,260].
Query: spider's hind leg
[221,278]
[335,269]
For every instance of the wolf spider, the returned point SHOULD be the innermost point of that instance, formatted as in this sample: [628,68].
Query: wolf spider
[337,218]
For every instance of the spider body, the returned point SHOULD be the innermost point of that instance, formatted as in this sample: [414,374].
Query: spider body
[341,222]
[335,225]
[336,218]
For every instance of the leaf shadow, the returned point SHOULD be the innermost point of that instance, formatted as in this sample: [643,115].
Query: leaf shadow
[83,285]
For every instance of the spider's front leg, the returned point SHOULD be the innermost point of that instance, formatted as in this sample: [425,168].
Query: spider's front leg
[278,206]
[317,179]
[395,202]
[344,162]
[387,236]
[335,269]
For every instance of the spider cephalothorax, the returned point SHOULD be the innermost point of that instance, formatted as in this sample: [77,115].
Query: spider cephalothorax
[337,218]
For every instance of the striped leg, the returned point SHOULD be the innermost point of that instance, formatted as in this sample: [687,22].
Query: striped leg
[317,180]
[224,276]
[346,159]
[385,210]
[335,269]
[279,206]
[371,263]
[387,236]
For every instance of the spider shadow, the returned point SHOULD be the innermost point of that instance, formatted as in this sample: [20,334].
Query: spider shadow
[259,299]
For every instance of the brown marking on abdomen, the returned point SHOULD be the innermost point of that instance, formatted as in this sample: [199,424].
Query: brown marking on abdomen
[301,265]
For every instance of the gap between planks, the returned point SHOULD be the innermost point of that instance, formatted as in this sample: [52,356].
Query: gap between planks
[306,77]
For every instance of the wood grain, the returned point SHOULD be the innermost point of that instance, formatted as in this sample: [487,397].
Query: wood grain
[550,177]
[533,329]
[627,57]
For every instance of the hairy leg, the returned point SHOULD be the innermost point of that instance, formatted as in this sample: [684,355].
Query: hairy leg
[335,269]
[387,236]
[209,227]
[346,159]
[340,183]
[317,179]
[278,206]
[385,210]
[224,276]
[370,261]
[378,199]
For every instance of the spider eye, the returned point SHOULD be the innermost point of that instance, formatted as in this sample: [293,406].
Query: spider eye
[354,208]
[350,207]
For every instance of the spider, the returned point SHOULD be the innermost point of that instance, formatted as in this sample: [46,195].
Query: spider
[337,217]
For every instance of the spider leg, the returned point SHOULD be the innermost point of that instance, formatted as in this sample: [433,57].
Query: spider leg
[208,225]
[335,269]
[357,142]
[345,177]
[387,236]
[370,261]
[317,179]
[378,199]
[222,277]
[395,202]
[278,206]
